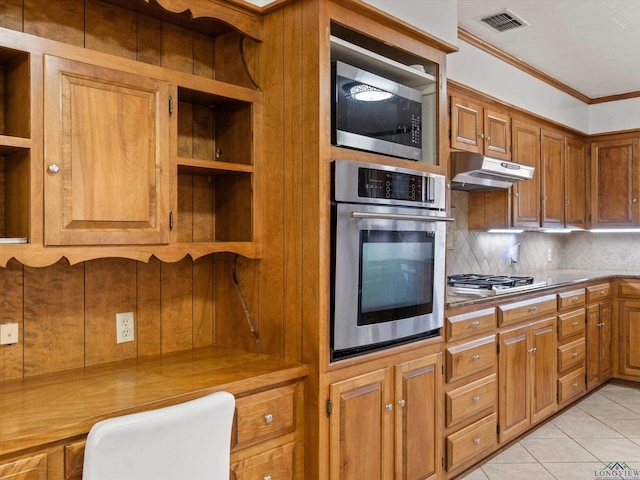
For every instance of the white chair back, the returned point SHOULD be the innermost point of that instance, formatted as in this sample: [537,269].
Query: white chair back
[188,441]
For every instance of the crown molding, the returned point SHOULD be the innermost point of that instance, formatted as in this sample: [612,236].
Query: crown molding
[477,42]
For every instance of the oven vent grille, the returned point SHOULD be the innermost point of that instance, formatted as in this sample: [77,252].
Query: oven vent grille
[504,20]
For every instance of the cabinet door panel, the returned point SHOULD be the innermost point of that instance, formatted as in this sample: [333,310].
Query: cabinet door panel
[418,418]
[605,341]
[513,381]
[614,165]
[106,130]
[575,184]
[497,140]
[466,125]
[526,195]
[593,345]
[358,427]
[31,468]
[552,170]
[630,338]
[544,366]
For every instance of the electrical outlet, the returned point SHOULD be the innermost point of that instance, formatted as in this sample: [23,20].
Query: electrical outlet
[124,327]
[9,333]
[548,255]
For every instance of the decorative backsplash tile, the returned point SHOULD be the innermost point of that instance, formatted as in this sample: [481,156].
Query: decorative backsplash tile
[482,252]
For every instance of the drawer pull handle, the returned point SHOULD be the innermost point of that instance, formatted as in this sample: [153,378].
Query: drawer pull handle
[476,398]
[574,299]
[267,477]
[402,403]
[533,309]
[476,441]
[476,358]
[575,324]
[575,354]
[575,385]
[476,324]
[389,407]
[601,292]
[268,418]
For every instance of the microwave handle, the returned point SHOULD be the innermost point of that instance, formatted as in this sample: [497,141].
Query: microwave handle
[400,216]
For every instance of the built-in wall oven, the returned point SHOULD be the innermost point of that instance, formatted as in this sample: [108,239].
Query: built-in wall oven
[388,256]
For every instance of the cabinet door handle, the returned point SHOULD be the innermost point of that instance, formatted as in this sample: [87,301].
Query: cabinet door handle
[54,168]
[601,324]
[481,135]
[402,403]
[268,418]
[266,477]
[533,350]
[389,407]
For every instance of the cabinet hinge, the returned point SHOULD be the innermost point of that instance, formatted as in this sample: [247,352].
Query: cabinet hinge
[329,407]
[170,220]
[170,105]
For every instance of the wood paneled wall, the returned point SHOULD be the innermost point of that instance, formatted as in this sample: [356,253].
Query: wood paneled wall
[66,313]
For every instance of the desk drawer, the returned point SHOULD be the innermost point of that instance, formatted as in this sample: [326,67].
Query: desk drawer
[264,415]
[471,442]
[470,358]
[276,464]
[571,354]
[466,401]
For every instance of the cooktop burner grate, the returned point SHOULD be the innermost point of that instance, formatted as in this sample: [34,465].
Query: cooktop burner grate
[480,281]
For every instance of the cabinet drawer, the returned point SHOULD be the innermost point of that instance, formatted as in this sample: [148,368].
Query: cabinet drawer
[571,385]
[571,354]
[598,292]
[531,308]
[471,441]
[464,402]
[571,299]
[571,323]
[264,415]
[276,464]
[470,358]
[468,324]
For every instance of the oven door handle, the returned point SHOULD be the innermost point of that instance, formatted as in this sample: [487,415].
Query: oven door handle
[401,216]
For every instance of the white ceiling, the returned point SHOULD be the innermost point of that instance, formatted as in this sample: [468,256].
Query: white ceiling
[592,46]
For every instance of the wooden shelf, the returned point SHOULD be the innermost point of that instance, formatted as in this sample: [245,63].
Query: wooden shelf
[210,167]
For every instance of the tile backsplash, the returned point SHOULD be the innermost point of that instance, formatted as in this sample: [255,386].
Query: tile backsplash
[482,252]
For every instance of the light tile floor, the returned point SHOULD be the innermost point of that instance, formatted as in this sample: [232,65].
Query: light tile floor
[582,443]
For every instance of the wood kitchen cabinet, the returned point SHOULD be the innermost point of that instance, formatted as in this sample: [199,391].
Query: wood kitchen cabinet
[571,345]
[107,155]
[575,183]
[385,423]
[480,129]
[627,334]
[615,182]
[552,176]
[526,194]
[598,344]
[527,376]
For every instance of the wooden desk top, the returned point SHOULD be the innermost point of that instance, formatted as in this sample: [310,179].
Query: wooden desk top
[50,408]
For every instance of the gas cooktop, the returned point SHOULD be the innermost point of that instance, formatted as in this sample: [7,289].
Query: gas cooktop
[479,284]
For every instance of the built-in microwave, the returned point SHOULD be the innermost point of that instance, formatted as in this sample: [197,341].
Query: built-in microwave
[375,114]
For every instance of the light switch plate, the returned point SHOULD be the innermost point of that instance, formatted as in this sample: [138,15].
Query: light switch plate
[8,333]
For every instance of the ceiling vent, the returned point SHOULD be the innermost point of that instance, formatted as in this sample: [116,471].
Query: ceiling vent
[504,20]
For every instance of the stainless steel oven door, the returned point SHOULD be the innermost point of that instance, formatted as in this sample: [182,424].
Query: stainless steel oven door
[387,276]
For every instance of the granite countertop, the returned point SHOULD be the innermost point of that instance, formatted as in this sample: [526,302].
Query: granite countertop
[553,279]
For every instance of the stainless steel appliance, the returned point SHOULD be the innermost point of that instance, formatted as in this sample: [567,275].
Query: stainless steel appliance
[473,172]
[376,114]
[388,251]
[485,285]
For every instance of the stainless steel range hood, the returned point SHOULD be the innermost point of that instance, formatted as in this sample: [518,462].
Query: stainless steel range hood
[473,172]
